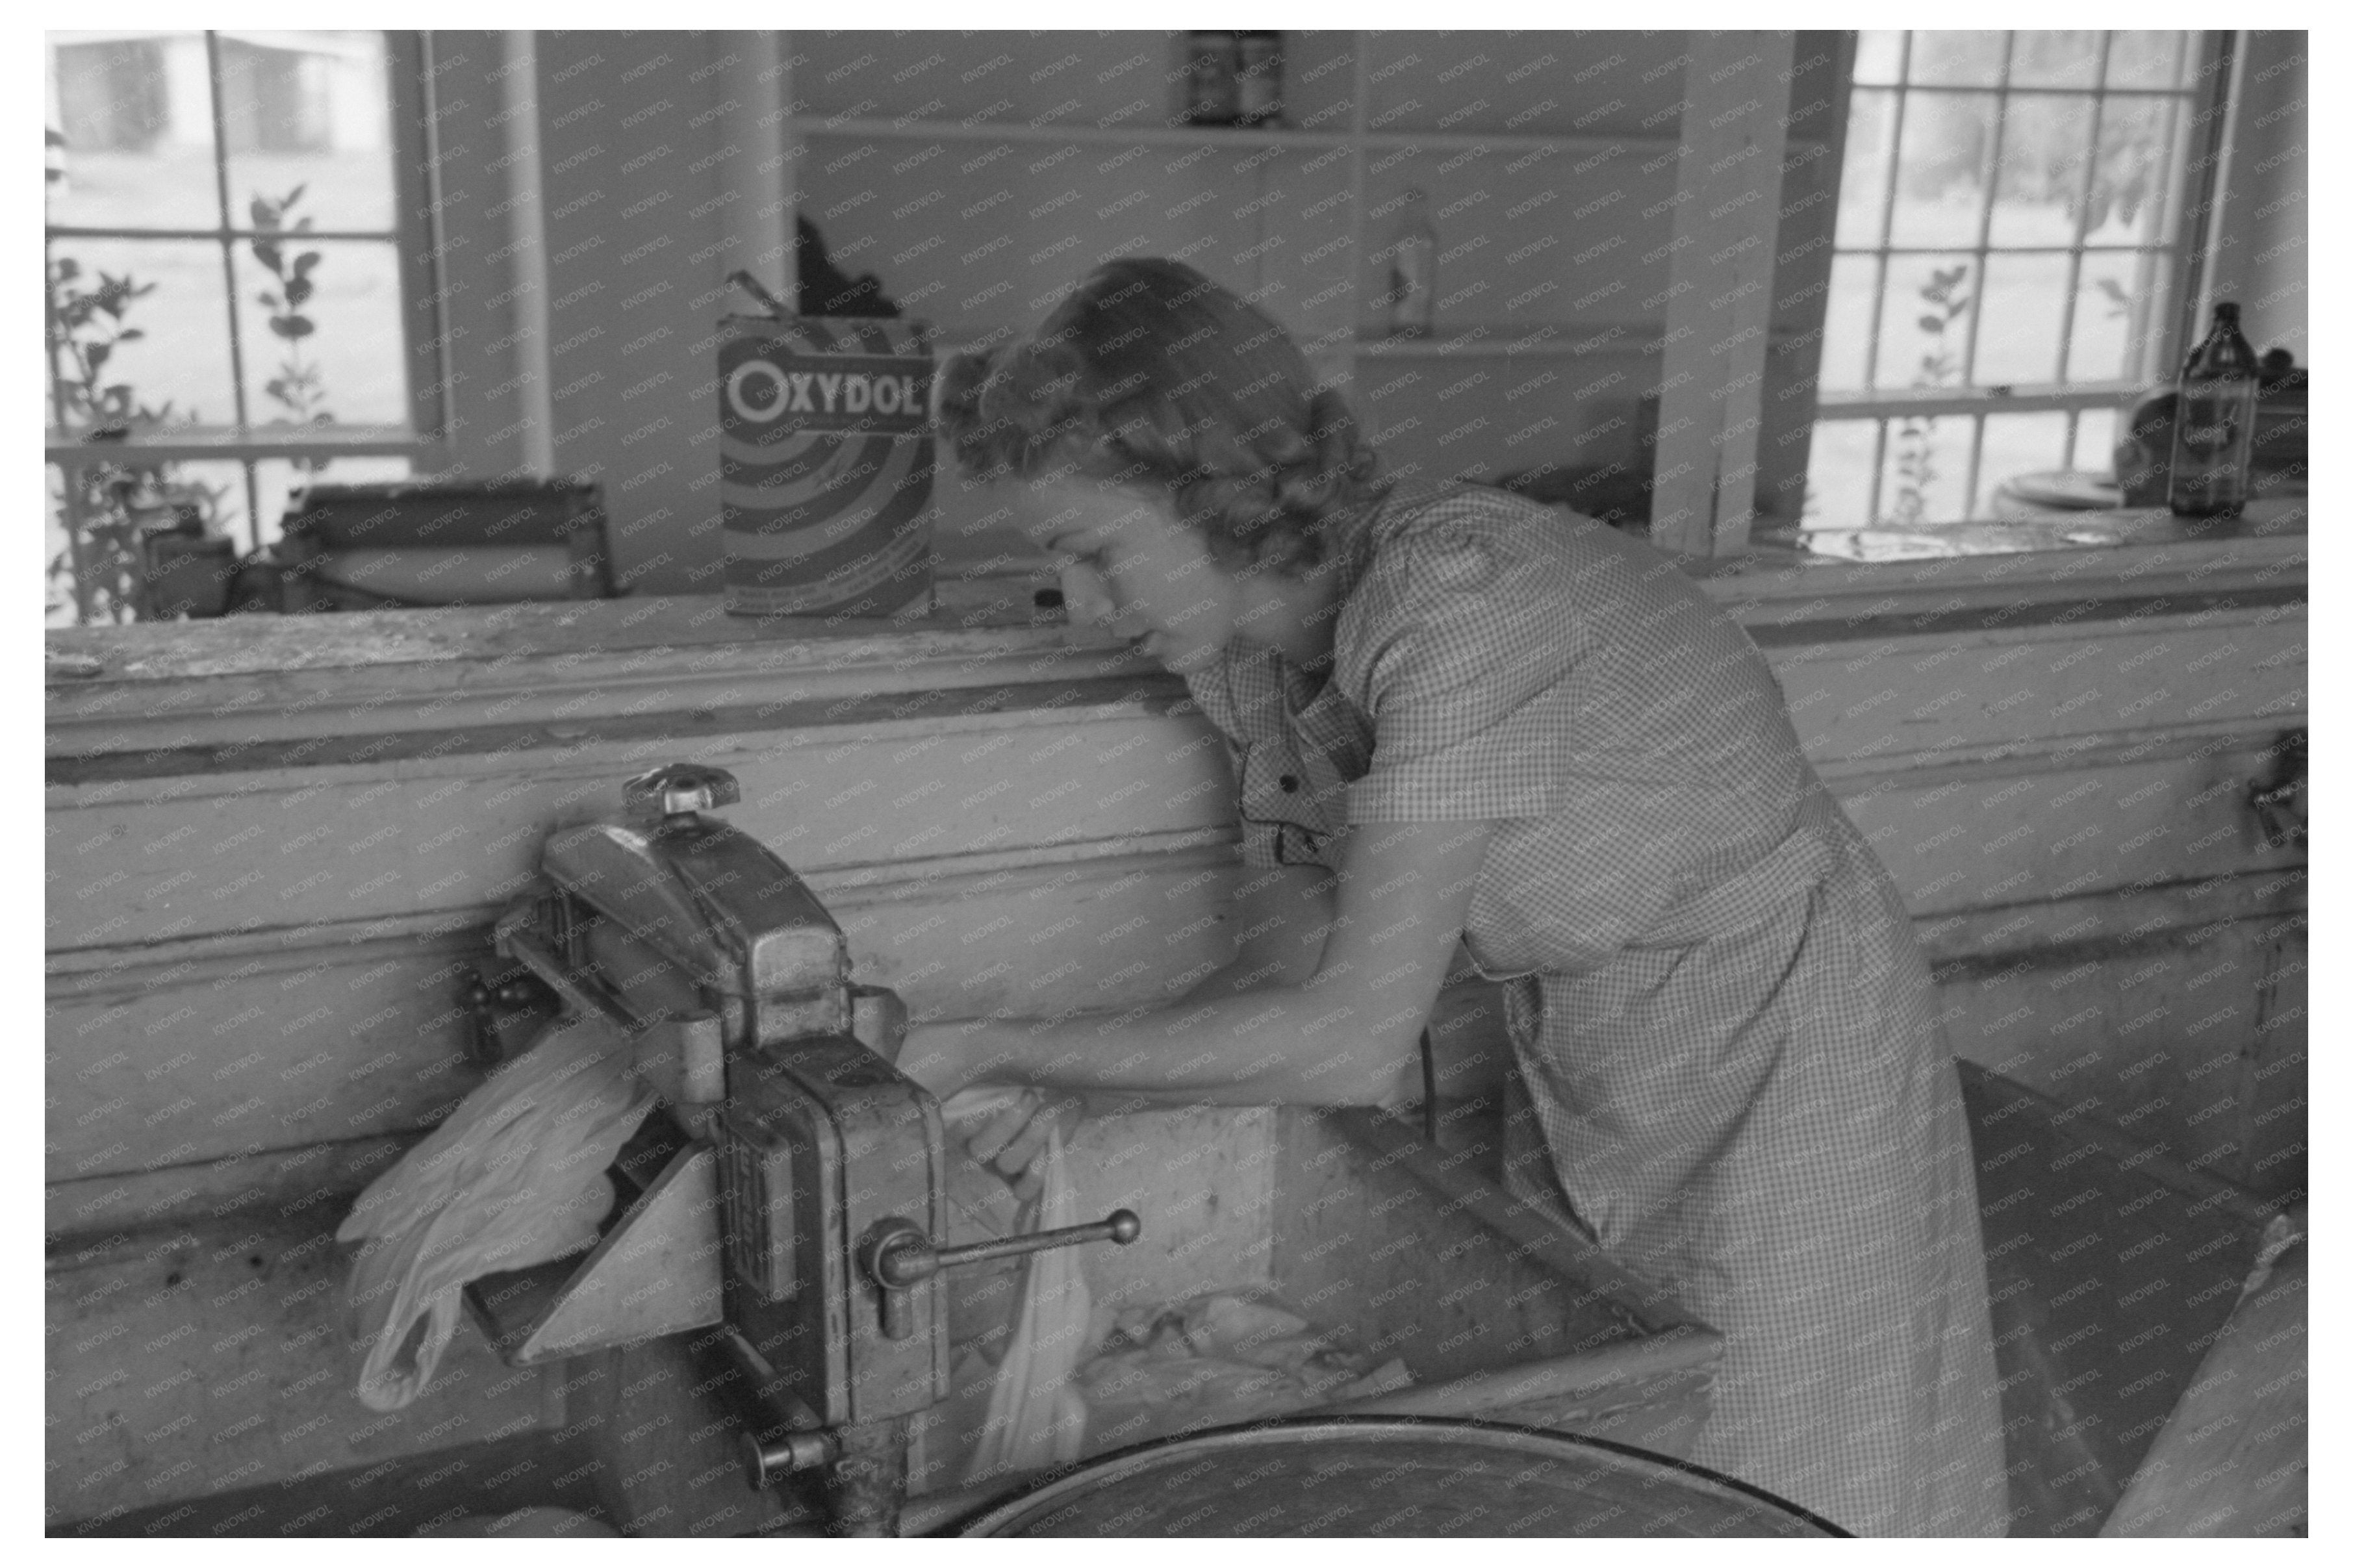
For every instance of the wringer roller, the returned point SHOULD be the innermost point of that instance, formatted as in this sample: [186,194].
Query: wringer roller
[788,1195]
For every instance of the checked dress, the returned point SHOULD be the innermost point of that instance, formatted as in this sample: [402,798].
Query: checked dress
[1727,1065]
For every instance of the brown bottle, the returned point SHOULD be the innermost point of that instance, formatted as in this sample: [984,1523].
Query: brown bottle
[2214,423]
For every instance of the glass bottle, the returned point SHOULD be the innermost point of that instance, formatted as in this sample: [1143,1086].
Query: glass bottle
[2213,423]
[1413,269]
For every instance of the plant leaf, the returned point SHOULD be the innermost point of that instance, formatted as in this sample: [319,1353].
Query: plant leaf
[304,262]
[129,334]
[298,288]
[1931,325]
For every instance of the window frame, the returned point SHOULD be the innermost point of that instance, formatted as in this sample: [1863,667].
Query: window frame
[2189,195]
[415,236]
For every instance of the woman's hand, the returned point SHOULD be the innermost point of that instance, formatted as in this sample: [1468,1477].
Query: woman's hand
[1013,1142]
[945,1059]
[940,1057]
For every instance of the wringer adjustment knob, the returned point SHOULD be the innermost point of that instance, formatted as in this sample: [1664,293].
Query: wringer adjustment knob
[679,789]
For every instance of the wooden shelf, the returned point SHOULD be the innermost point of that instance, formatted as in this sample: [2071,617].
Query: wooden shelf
[201,443]
[1064,135]
[1647,339]
[1544,343]
[1242,136]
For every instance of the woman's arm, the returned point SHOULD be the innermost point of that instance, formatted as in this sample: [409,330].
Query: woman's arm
[1285,914]
[1340,1034]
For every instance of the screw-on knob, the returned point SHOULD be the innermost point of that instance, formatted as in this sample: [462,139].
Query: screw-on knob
[678,789]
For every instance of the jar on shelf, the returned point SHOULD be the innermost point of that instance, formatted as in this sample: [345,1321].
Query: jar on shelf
[1212,77]
[1258,79]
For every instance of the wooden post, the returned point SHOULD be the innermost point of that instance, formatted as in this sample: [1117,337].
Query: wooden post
[760,164]
[1720,290]
[527,230]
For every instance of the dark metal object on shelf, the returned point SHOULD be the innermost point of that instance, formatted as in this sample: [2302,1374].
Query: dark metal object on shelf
[182,570]
[376,546]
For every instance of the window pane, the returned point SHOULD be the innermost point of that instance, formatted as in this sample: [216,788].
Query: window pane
[2018,337]
[134,109]
[1924,319]
[1846,322]
[2054,57]
[2019,444]
[1940,184]
[1959,60]
[57,557]
[309,110]
[1837,474]
[2045,142]
[178,364]
[1926,465]
[2146,59]
[2095,441]
[1862,187]
[2129,177]
[345,357]
[1878,55]
[2115,301]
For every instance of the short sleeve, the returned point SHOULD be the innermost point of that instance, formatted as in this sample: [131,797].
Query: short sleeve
[1290,805]
[1289,798]
[1457,648]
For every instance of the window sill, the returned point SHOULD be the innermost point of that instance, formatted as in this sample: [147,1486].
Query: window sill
[1995,566]
[200,443]
[542,674]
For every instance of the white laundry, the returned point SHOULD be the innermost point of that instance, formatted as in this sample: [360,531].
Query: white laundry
[515,1176]
[1035,1418]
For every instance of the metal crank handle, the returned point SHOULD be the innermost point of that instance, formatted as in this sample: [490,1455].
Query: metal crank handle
[902,1258]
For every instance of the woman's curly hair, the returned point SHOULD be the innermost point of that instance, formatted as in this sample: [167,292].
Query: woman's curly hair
[1150,374]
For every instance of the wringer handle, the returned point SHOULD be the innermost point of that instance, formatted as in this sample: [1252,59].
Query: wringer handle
[899,1257]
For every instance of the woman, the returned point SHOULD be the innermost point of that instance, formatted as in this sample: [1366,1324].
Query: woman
[1456,716]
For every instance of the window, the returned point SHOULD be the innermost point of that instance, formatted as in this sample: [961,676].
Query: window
[237,271]
[2011,250]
